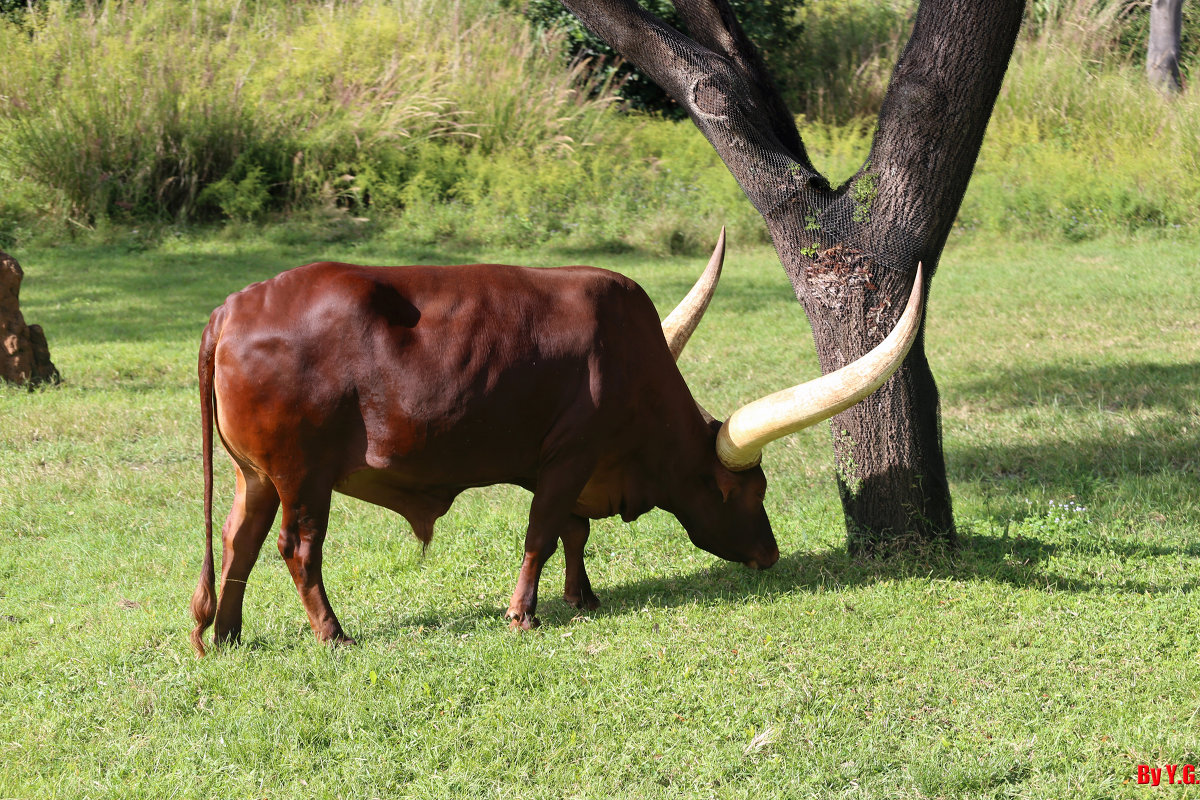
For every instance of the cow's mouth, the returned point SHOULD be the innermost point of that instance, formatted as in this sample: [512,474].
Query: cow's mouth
[766,562]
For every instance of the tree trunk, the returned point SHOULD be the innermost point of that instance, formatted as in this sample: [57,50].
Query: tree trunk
[24,354]
[1162,51]
[891,468]
[850,252]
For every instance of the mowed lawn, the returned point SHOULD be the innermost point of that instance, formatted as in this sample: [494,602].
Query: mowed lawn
[1057,651]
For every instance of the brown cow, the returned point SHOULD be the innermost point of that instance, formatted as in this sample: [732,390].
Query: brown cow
[403,386]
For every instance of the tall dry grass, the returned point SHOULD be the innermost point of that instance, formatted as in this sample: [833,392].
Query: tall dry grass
[456,121]
[139,107]
[1080,143]
[845,56]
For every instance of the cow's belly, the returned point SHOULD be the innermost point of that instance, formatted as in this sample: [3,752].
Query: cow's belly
[387,489]
[419,503]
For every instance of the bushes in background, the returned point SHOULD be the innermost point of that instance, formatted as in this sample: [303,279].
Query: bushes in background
[473,128]
[185,110]
[1079,144]
[844,58]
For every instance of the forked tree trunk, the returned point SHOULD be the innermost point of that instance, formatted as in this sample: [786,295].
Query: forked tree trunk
[1162,51]
[851,252]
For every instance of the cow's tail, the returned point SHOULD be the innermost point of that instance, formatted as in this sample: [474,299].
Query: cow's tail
[204,599]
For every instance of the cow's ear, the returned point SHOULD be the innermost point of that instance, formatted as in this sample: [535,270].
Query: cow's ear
[726,481]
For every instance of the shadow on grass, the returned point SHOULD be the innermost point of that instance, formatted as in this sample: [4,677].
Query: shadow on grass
[1102,387]
[1156,453]
[112,294]
[116,294]
[1018,561]
[744,295]
[135,291]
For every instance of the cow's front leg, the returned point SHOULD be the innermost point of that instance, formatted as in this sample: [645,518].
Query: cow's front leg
[577,589]
[540,543]
[559,484]
[301,538]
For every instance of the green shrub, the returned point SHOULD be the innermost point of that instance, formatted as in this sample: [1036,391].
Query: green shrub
[243,200]
[839,69]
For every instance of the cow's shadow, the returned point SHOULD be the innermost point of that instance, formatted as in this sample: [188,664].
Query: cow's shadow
[1017,560]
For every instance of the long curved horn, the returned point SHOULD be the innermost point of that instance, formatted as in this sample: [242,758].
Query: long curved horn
[742,437]
[680,323]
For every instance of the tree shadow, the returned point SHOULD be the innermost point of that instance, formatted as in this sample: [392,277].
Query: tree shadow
[1107,387]
[113,295]
[1014,560]
[459,620]
[1017,561]
[748,294]
[1160,450]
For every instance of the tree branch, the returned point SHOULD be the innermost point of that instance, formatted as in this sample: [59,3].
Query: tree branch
[936,112]
[713,24]
[721,89]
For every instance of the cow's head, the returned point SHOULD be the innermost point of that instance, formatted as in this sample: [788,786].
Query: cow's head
[722,510]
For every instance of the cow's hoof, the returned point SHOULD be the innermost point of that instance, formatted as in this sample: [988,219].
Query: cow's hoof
[589,601]
[523,622]
[228,638]
[336,639]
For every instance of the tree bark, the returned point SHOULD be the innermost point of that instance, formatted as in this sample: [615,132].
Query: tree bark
[1162,50]
[850,252]
[24,354]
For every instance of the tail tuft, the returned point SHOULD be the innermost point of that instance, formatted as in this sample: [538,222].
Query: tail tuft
[204,604]
[204,599]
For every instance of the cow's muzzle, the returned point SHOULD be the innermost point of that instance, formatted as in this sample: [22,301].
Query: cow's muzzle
[765,561]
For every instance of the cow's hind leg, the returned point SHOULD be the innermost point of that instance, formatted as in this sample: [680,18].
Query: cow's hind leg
[577,589]
[301,538]
[254,505]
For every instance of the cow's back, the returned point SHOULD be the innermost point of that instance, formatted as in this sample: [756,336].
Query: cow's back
[439,375]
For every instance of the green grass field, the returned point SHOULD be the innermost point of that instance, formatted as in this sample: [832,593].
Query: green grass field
[1055,652]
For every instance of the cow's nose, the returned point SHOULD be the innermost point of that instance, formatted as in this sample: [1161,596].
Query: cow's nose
[768,560]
